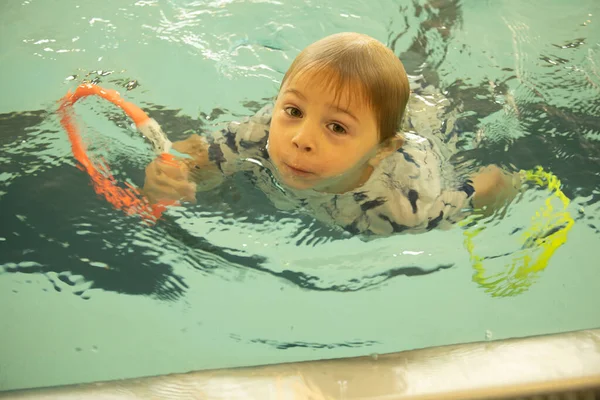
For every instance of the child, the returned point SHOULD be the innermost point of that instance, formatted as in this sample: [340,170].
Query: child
[330,145]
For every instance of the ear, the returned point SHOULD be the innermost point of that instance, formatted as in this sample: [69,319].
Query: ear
[386,148]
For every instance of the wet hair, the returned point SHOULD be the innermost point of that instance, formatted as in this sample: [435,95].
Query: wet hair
[363,68]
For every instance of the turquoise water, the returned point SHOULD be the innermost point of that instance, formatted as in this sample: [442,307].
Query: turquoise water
[90,294]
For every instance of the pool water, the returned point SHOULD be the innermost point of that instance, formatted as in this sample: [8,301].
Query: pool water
[89,293]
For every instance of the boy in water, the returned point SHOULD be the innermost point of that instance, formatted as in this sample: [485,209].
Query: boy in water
[330,145]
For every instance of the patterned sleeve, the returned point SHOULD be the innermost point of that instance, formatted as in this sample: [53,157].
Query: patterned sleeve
[409,193]
[438,198]
[450,207]
[240,140]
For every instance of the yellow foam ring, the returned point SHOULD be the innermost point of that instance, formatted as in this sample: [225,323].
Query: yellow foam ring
[547,232]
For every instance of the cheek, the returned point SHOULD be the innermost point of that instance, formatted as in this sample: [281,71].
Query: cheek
[343,158]
[276,138]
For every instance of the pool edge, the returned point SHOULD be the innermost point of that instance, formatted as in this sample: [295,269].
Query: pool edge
[541,365]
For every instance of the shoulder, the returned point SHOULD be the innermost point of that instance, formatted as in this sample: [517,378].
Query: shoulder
[240,139]
[416,165]
[403,190]
[254,128]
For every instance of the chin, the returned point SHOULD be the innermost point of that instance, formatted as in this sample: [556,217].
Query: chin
[297,184]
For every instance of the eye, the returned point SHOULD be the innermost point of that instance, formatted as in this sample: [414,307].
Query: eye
[293,112]
[337,128]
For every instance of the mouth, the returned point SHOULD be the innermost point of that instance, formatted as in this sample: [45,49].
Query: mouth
[298,171]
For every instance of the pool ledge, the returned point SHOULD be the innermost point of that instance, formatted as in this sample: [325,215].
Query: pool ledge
[543,365]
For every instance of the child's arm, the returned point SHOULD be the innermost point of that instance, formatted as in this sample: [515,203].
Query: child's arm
[211,159]
[493,188]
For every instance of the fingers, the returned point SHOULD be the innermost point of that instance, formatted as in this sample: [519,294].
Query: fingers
[168,180]
[173,178]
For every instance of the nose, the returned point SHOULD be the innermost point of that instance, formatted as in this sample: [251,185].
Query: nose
[304,139]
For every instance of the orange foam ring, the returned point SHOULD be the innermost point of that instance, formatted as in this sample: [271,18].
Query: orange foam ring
[128,199]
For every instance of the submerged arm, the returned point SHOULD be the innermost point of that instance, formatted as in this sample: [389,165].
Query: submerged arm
[494,187]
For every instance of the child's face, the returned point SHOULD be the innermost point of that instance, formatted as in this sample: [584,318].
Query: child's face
[316,145]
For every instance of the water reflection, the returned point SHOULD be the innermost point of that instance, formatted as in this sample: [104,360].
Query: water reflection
[52,224]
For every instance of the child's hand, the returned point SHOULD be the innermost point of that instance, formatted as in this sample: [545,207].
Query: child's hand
[493,188]
[168,179]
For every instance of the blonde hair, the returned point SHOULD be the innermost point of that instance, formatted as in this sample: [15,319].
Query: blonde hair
[355,61]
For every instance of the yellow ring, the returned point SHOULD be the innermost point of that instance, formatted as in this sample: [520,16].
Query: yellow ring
[547,232]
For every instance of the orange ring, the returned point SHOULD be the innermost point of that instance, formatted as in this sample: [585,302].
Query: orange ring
[128,199]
